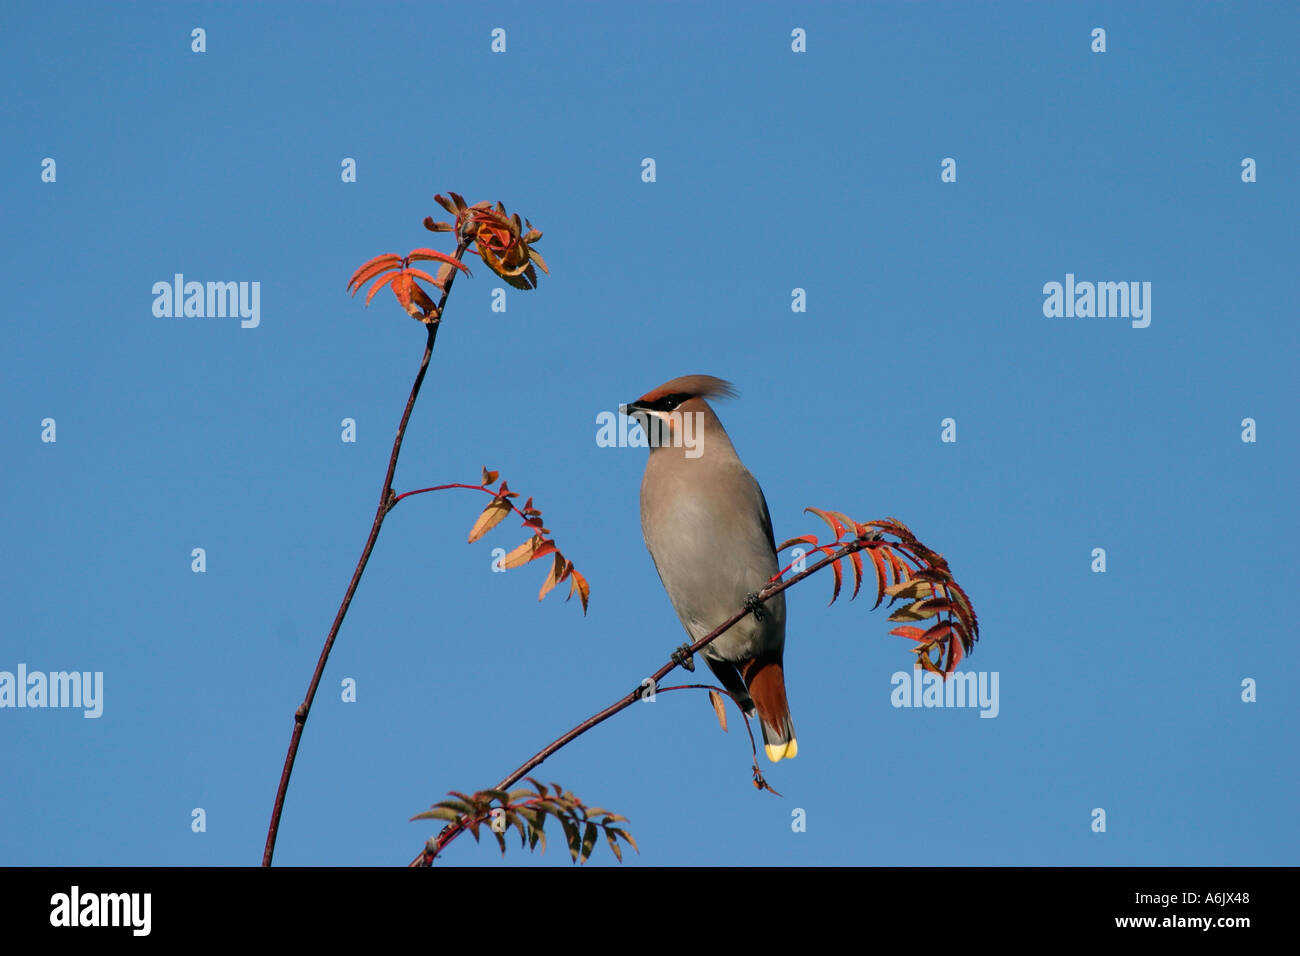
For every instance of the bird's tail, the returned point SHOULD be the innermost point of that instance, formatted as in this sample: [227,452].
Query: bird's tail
[766,682]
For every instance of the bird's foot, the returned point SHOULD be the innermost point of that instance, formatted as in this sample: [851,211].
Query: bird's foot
[755,606]
[682,657]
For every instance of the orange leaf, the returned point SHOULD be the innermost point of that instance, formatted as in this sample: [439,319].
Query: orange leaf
[802,539]
[579,584]
[403,286]
[839,581]
[444,276]
[371,269]
[419,274]
[380,284]
[488,476]
[937,634]
[719,708]
[417,255]
[522,554]
[554,577]
[911,633]
[912,588]
[935,605]
[491,516]
[926,661]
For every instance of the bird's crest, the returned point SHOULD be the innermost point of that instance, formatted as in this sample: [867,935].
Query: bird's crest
[701,386]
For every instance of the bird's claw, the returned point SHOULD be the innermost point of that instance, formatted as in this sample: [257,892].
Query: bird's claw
[755,606]
[682,657]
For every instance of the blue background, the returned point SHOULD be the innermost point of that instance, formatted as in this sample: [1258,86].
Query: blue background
[775,170]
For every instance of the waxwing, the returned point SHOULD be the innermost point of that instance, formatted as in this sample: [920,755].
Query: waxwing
[706,524]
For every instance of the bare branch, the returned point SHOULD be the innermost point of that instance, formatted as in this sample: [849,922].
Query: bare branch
[450,832]
[386,502]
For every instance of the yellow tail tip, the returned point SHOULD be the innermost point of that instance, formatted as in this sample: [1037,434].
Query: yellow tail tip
[777,752]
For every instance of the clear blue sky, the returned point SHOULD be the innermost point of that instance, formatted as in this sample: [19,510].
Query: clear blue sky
[775,170]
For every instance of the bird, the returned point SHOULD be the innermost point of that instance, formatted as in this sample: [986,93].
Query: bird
[708,530]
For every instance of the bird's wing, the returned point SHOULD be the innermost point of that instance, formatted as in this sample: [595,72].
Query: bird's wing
[767,518]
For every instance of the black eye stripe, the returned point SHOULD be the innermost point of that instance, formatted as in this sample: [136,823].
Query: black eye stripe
[668,402]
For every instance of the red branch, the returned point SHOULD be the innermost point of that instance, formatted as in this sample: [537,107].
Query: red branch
[483,488]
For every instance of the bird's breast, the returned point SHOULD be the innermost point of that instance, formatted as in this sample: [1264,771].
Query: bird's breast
[707,536]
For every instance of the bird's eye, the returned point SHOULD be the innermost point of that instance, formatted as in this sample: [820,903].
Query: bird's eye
[670,403]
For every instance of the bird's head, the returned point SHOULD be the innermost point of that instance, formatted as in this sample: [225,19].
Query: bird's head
[676,415]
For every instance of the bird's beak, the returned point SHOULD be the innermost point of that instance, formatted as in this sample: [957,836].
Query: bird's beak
[631,408]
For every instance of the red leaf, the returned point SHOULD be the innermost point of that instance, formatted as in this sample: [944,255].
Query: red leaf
[420,274]
[380,284]
[371,269]
[856,558]
[879,563]
[403,286]
[830,519]
[901,572]
[839,580]
[845,521]
[938,632]
[416,255]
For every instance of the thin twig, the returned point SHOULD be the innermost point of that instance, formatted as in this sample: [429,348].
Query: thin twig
[386,502]
[451,831]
